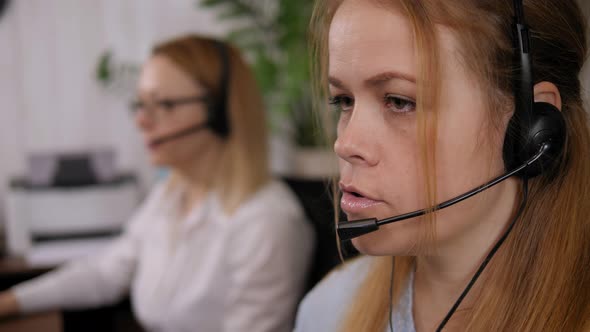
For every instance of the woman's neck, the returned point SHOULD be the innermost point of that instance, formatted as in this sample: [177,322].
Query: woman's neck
[441,277]
[198,176]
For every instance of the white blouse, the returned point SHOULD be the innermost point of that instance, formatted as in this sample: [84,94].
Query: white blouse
[209,272]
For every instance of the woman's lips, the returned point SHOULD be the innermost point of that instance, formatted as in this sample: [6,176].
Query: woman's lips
[153,144]
[353,204]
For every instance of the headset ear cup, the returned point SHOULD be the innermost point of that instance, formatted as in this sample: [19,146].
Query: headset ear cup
[218,121]
[218,109]
[524,139]
[211,115]
[512,144]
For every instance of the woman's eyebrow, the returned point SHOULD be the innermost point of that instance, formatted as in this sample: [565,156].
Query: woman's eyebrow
[375,80]
[333,81]
[385,77]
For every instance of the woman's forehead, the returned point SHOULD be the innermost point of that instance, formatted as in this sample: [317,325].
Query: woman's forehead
[365,39]
[160,74]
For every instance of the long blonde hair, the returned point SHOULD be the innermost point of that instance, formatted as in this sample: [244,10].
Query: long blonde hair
[540,279]
[243,168]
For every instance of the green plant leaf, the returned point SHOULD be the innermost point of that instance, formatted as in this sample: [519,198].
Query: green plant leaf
[103,69]
[278,49]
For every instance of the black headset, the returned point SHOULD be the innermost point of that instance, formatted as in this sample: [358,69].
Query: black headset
[532,124]
[534,141]
[218,119]
[533,145]
[217,113]
[535,137]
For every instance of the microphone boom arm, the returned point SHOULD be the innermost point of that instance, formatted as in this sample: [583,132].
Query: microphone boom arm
[348,230]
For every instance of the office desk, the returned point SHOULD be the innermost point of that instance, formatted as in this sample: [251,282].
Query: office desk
[46,322]
[12,271]
[10,265]
[115,318]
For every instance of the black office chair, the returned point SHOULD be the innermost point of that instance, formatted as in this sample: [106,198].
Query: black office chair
[316,198]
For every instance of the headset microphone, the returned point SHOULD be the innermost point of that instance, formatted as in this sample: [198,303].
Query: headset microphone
[348,230]
[533,144]
[180,134]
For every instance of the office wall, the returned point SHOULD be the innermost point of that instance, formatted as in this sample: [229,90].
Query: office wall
[49,97]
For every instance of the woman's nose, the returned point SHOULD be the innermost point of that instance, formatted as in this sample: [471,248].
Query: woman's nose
[357,140]
[143,120]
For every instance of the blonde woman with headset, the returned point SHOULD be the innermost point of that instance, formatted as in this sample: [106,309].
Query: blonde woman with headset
[433,99]
[219,246]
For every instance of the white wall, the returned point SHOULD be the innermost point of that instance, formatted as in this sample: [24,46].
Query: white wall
[49,98]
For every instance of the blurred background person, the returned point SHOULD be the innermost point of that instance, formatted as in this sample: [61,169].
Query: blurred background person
[218,245]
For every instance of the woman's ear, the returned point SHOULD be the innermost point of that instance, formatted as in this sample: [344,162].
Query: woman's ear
[547,92]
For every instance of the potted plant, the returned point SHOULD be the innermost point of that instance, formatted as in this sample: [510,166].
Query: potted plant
[273,35]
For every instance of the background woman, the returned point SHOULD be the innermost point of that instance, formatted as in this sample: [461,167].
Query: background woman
[218,246]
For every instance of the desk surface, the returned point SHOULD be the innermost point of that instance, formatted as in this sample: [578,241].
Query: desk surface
[117,318]
[13,270]
[46,322]
[18,265]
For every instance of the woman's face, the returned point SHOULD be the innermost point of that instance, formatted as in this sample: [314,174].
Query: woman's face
[161,86]
[372,81]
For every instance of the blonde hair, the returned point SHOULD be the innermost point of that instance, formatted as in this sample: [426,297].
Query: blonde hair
[243,168]
[539,279]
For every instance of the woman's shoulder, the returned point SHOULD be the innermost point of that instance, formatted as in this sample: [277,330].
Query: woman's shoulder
[276,191]
[273,199]
[341,280]
[324,307]
[273,214]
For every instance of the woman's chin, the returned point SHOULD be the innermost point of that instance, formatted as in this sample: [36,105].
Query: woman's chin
[382,244]
[158,160]
[368,245]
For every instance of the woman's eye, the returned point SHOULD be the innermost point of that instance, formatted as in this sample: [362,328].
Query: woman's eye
[341,103]
[136,105]
[399,104]
[167,104]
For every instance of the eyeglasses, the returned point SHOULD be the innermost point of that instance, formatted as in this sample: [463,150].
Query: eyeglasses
[165,104]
